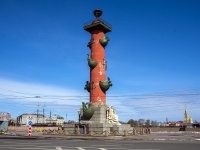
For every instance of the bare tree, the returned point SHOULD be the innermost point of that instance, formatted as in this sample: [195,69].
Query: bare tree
[141,122]
[147,123]
[154,123]
[133,123]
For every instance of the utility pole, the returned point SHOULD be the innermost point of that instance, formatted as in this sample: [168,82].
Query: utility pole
[37,108]
[37,112]
[50,116]
[43,114]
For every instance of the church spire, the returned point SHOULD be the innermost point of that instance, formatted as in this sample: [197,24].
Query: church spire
[187,119]
[185,107]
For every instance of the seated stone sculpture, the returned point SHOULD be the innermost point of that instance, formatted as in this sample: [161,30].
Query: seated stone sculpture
[111,115]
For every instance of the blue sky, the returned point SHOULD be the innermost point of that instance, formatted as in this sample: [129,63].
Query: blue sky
[153,57]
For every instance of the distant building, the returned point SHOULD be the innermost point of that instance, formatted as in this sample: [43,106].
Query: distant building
[4,119]
[187,119]
[55,119]
[23,119]
[39,119]
[4,116]
[173,124]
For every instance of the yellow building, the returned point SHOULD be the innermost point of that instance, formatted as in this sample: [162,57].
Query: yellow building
[187,118]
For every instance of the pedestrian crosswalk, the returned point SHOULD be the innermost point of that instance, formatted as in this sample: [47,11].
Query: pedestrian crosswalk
[6,147]
[55,144]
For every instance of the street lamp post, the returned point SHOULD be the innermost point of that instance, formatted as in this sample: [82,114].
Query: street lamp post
[79,116]
[79,119]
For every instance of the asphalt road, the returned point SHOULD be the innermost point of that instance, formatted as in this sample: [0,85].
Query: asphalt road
[66,144]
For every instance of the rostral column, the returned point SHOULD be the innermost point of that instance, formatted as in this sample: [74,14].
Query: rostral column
[98,84]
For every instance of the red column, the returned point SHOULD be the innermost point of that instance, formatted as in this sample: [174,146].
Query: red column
[99,72]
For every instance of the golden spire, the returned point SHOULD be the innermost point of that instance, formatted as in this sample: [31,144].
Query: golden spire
[185,107]
[187,119]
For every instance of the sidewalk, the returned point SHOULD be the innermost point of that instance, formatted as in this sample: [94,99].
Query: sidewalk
[155,136]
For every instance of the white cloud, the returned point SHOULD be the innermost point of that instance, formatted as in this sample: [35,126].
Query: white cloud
[19,97]
[157,106]
[29,95]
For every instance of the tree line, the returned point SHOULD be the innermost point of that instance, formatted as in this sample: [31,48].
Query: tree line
[142,123]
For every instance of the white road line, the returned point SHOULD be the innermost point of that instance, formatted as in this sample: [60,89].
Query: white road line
[58,148]
[119,148]
[102,148]
[107,145]
[79,148]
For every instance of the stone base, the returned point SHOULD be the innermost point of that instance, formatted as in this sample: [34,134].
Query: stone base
[70,128]
[88,127]
[98,124]
[100,128]
[121,128]
[99,115]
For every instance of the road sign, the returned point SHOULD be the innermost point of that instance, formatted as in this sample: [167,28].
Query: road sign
[30,123]
[29,130]
[30,117]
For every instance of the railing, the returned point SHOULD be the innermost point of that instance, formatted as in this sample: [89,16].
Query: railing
[99,19]
[92,133]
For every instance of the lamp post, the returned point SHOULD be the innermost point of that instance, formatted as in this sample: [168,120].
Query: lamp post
[79,116]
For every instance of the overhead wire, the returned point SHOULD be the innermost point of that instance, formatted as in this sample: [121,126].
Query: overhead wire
[21,95]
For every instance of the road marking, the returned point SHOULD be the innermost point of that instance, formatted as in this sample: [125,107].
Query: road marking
[58,148]
[197,139]
[102,148]
[106,145]
[79,148]
[116,148]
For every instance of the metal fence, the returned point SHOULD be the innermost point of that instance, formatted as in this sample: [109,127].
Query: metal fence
[99,19]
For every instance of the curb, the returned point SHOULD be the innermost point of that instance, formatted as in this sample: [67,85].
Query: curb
[97,138]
